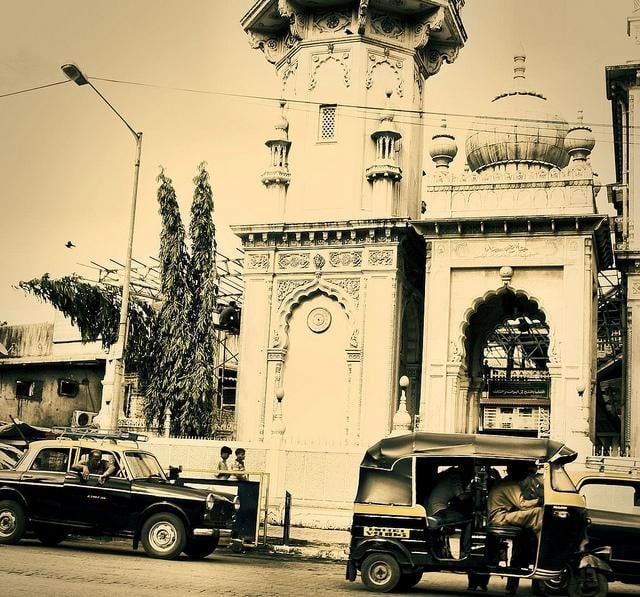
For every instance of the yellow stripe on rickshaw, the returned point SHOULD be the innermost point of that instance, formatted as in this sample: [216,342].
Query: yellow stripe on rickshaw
[390,510]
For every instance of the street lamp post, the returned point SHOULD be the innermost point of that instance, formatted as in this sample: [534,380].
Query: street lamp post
[112,383]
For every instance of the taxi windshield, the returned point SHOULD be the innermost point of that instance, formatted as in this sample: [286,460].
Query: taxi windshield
[144,466]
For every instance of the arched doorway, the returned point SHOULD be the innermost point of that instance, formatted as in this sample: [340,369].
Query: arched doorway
[507,348]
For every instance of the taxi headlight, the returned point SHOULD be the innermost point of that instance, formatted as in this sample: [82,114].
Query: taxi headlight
[236,503]
[210,501]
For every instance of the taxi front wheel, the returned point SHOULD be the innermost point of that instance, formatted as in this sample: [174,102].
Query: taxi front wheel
[380,572]
[12,522]
[164,536]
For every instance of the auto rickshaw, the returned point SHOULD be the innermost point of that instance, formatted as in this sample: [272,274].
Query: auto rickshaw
[393,541]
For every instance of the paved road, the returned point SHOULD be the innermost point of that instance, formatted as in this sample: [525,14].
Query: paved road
[112,569]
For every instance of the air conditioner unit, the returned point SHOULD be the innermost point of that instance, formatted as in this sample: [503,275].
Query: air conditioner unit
[82,418]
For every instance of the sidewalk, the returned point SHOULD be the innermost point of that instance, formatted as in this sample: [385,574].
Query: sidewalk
[309,543]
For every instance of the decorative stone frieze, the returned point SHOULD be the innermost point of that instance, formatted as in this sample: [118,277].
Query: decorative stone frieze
[258,262]
[287,287]
[345,258]
[388,26]
[350,285]
[375,59]
[381,257]
[295,261]
[331,22]
[319,320]
[342,58]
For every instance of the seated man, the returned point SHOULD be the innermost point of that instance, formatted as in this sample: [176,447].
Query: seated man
[507,505]
[450,502]
[93,464]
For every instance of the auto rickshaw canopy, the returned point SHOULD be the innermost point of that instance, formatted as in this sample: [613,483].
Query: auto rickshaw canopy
[389,450]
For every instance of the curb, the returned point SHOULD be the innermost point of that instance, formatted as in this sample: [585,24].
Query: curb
[336,553]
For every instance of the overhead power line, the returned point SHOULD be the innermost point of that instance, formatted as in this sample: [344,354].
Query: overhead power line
[32,88]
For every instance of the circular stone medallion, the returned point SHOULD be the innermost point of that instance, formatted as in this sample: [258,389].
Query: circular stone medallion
[319,320]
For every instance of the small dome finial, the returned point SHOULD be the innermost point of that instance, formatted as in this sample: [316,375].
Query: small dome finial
[579,141]
[443,146]
[519,68]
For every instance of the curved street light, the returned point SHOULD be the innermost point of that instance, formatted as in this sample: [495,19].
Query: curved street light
[112,382]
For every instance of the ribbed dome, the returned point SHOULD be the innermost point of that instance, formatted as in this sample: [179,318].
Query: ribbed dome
[523,129]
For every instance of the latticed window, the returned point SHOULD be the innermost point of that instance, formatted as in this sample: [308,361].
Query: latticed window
[327,125]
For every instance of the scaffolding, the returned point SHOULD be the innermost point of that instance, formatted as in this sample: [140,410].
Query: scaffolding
[146,286]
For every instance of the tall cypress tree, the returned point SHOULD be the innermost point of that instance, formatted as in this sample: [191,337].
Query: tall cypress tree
[169,385]
[198,417]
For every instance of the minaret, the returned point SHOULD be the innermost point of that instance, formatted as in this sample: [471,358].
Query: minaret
[337,60]
[579,142]
[277,177]
[384,173]
[443,148]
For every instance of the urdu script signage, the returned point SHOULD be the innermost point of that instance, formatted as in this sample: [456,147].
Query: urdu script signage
[507,388]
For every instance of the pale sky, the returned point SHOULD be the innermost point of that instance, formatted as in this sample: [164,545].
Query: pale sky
[66,163]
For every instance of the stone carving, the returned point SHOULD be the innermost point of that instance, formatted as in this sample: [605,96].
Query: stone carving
[375,60]
[388,26]
[437,56]
[318,261]
[635,288]
[297,19]
[521,249]
[286,287]
[342,58]
[345,258]
[259,261]
[332,22]
[363,10]
[293,260]
[554,351]
[275,338]
[270,46]
[455,355]
[350,285]
[422,31]
[288,77]
[353,341]
[380,257]
[319,320]
[418,91]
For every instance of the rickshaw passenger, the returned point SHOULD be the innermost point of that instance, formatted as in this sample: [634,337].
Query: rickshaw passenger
[507,505]
[450,501]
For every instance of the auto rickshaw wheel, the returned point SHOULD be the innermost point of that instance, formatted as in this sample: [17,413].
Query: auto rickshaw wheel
[381,572]
[587,583]
[409,579]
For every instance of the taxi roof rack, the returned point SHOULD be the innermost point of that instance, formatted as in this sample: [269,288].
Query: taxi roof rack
[614,464]
[90,433]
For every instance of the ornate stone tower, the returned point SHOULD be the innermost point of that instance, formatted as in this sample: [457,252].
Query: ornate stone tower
[513,252]
[623,89]
[334,282]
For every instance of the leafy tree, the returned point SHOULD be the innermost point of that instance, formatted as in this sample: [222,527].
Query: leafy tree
[172,349]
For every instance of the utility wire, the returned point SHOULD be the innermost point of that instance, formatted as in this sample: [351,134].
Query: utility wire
[33,88]
[409,111]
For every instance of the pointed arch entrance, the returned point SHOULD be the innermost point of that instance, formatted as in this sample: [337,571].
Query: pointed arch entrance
[507,348]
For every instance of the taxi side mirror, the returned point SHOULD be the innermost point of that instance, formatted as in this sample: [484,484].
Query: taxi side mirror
[174,472]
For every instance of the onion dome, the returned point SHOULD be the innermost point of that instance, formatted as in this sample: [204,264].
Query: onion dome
[522,129]
[443,147]
[579,141]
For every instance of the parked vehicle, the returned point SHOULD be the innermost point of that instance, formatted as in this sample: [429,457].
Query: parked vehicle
[42,493]
[393,542]
[611,488]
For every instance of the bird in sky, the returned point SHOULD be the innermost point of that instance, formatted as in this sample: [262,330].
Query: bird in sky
[69,245]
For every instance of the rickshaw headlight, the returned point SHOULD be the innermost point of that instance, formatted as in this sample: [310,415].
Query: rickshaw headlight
[210,502]
[236,503]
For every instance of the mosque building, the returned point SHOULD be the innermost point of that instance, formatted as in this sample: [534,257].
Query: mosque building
[476,286]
